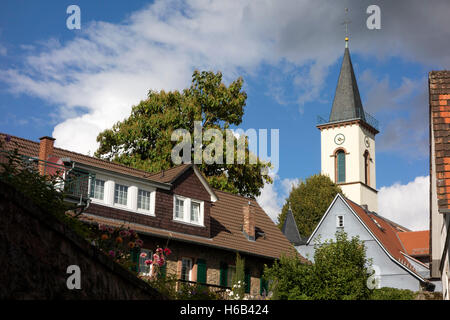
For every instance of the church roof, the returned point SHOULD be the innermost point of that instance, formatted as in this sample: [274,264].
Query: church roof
[290,230]
[347,101]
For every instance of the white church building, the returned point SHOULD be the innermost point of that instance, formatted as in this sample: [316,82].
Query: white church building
[348,158]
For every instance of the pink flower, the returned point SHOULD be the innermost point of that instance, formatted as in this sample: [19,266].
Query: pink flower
[139,242]
[111,230]
[112,253]
[101,227]
[124,233]
[143,255]
[161,262]
[148,262]
[167,251]
[159,250]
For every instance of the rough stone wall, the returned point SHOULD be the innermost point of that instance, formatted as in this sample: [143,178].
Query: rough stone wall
[36,249]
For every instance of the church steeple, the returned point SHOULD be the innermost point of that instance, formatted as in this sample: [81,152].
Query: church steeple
[347,101]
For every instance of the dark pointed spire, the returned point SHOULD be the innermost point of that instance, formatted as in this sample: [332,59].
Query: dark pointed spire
[290,229]
[347,101]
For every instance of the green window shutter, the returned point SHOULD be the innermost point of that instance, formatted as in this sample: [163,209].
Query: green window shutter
[201,271]
[341,166]
[163,270]
[135,252]
[247,281]
[223,274]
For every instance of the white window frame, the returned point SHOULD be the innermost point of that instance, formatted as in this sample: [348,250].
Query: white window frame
[150,200]
[190,269]
[339,219]
[117,204]
[132,196]
[92,182]
[187,211]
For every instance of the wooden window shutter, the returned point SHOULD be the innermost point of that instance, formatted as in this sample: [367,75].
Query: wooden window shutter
[247,281]
[201,271]
[223,274]
[163,270]
[135,252]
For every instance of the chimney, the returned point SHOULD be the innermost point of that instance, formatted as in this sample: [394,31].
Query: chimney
[365,207]
[45,150]
[249,221]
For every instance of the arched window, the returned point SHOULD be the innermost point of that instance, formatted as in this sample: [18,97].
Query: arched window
[366,167]
[340,166]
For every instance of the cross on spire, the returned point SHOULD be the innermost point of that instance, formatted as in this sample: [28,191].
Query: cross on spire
[346,23]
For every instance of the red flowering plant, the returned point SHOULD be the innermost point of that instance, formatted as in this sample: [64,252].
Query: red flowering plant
[157,261]
[118,243]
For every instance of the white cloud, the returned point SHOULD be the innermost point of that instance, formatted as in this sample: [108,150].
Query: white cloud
[273,196]
[95,78]
[408,204]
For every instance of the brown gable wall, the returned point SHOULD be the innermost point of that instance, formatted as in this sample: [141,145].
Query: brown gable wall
[187,185]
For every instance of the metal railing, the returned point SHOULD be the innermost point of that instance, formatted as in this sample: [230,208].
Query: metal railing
[221,291]
[72,181]
[368,118]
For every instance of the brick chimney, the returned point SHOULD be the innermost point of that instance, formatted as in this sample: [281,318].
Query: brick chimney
[45,150]
[249,221]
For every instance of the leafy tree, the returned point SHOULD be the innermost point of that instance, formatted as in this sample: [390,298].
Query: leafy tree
[340,272]
[309,200]
[143,140]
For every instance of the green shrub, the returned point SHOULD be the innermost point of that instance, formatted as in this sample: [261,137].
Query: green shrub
[386,293]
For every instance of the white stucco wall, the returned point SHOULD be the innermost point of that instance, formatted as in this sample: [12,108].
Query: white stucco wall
[355,147]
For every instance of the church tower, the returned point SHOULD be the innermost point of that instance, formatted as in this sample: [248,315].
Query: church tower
[348,141]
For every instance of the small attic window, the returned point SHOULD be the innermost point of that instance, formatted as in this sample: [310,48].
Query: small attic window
[340,221]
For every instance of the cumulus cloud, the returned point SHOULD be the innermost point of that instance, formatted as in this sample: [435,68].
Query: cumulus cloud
[407,204]
[95,78]
[402,111]
[273,196]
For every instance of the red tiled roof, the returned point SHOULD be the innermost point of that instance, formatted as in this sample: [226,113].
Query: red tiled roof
[385,233]
[439,86]
[31,149]
[416,243]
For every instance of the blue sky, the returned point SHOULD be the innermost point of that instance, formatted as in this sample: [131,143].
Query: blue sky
[74,83]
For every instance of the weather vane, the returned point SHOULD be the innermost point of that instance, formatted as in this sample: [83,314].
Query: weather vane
[346,23]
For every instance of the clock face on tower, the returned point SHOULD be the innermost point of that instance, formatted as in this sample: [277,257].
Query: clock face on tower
[367,142]
[339,138]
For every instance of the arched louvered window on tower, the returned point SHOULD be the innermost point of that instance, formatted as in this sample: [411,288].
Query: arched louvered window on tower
[366,167]
[340,166]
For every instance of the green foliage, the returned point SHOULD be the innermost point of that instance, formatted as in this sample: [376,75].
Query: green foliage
[340,267]
[309,200]
[238,280]
[143,140]
[119,243]
[168,286]
[339,272]
[386,293]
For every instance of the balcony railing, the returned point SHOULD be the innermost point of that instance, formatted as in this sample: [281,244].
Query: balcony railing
[369,119]
[72,181]
[221,291]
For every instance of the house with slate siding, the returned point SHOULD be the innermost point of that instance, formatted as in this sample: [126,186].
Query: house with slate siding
[439,92]
[203,227]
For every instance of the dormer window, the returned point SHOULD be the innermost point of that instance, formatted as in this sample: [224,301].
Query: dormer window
[97,189]
[120,194]
[143,200]
[188,210]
